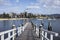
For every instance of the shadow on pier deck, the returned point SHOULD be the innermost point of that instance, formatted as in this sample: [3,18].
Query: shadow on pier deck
[28,34]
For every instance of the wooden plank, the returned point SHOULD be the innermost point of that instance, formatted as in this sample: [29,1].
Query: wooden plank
[28,34]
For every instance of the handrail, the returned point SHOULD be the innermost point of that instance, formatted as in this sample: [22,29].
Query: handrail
[44,33]
[19,31]
[50,32]
[4,32]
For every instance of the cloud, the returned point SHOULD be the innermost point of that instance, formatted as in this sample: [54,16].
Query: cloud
[37,7]
[1,1]
[34,5]
[49,3]
[10,9]
[5,2]
[17,1]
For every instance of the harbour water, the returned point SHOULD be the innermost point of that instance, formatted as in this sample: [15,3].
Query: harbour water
[7,24]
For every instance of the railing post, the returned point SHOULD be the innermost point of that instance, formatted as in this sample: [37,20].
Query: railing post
[45,35]
[22,28]
[19,30]
[39,31]
[35,28]
[51,37]
[14,36]
[42,36]
[32,25]
[9,36]
[2,37]
[14,31]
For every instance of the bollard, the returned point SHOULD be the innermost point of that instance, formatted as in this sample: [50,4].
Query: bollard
[13,26]
[40,31]
[19,30]
[42,23]
[49,27]
[20,25]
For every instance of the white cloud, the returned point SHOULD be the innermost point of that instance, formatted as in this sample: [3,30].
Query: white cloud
[17,1]
[34,3]
[5,2]
[57,2]
[49,3]
[10,9]
[33,7]
[1,1]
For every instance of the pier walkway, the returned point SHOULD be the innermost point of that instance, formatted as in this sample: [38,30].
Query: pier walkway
[28,34]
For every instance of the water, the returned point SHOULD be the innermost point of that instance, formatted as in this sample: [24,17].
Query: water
[54,23]
[7,24]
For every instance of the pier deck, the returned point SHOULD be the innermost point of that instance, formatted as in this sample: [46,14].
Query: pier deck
[28,34]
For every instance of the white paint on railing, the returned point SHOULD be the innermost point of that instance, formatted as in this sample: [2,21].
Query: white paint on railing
[44,34]
[50,32]
[51,37]
[2,37]
[9,36]
[44,37]
[20,29]
[37,31]
[25,26]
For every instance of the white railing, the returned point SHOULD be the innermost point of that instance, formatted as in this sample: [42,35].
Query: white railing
[5,32]
[44,34]
[14,33]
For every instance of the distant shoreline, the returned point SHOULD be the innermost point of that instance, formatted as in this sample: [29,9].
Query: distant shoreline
[12,18]
[21,19]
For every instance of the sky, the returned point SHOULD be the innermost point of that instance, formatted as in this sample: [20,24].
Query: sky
[33,6]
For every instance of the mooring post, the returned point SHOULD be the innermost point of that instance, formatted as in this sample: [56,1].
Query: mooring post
[19,30]
[40,30]
[49,26]
[13,26]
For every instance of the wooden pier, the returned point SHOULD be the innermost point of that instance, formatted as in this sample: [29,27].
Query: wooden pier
[28,34]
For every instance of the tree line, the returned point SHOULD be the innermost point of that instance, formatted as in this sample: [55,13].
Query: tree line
[15,15]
